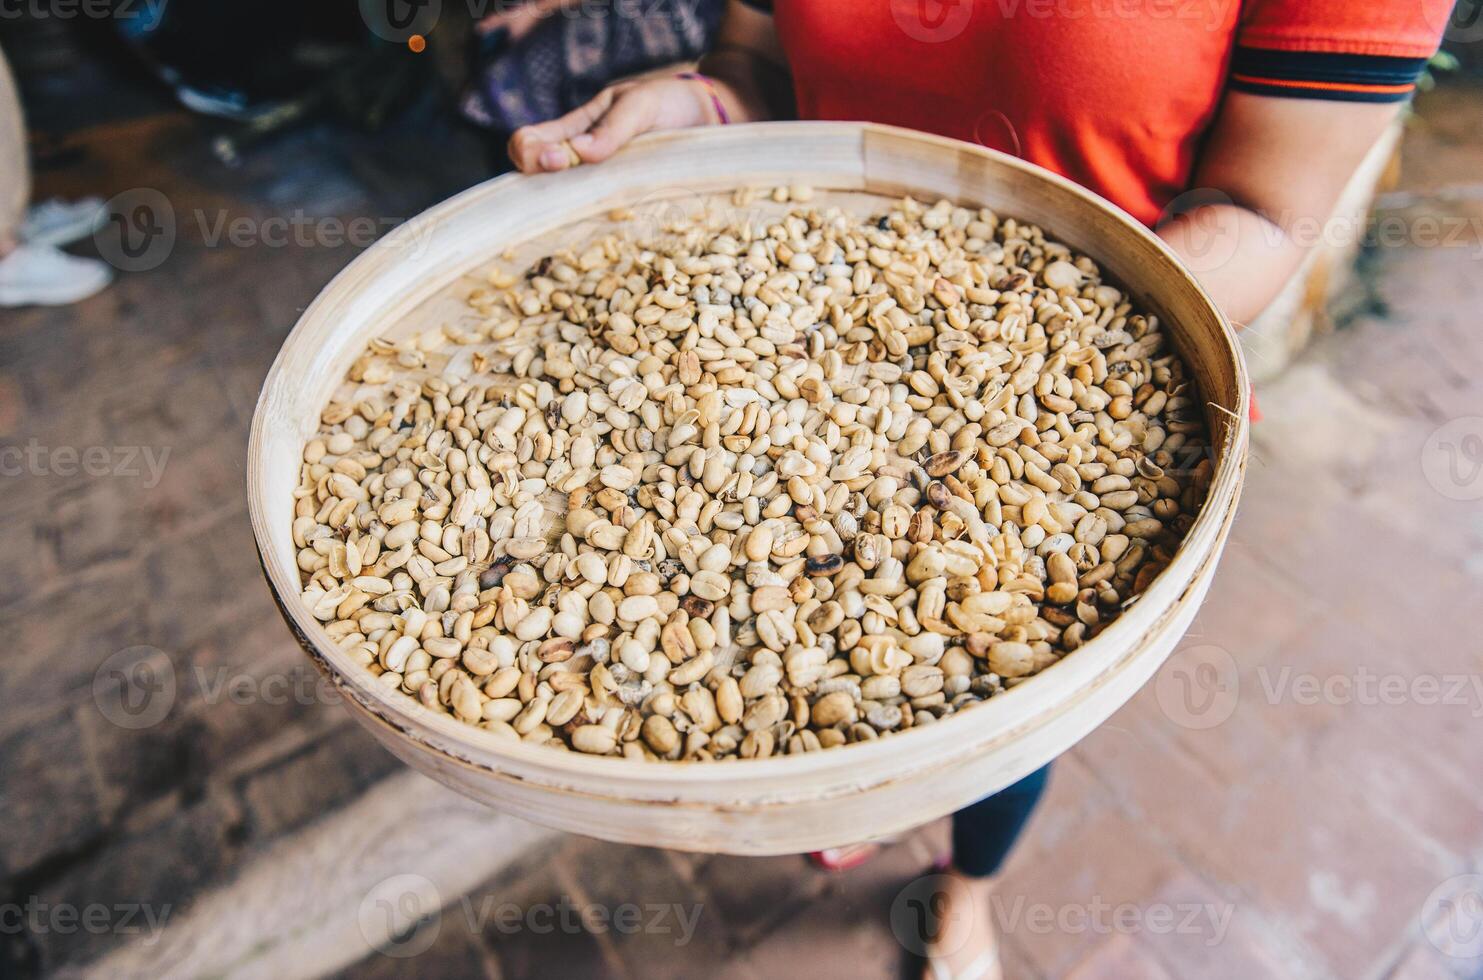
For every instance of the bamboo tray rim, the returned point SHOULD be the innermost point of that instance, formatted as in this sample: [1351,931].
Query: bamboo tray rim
[1028,705]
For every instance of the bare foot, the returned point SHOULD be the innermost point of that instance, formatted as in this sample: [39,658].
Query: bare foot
[963,945]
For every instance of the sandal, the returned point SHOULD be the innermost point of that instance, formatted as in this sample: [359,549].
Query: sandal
[985,964]
[976,970]
[844,858]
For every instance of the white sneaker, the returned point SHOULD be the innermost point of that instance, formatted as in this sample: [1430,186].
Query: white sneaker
[45,276]
[58,222]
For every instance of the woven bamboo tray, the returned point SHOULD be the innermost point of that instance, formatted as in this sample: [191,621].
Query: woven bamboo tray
[416,277]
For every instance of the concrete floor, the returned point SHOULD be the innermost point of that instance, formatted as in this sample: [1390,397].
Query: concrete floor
[1293,797]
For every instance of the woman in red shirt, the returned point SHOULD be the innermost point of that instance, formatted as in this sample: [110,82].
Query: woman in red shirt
[1271,103]
[1267,107]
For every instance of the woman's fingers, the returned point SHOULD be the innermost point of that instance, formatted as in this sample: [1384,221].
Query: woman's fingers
[537,148]
[603,126]
[631,114]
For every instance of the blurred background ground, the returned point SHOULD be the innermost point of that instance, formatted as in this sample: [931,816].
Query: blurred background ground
[1295,796]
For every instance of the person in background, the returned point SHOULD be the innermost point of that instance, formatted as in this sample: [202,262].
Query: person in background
[540,58]
[1264,107]
[33,268]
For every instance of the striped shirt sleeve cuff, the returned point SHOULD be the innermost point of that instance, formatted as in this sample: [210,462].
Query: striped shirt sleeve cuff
[1325,75]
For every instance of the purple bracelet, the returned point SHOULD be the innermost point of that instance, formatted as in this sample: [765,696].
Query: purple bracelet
[710,88]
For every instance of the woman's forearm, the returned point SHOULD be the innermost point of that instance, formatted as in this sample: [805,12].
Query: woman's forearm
[749,66]
[1242,259]
[1271,167]
[752,88]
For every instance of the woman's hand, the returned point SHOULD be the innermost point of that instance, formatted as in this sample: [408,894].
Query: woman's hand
[600,128]
[748,74]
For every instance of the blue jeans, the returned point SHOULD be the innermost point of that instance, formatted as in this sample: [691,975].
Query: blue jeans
[984,833]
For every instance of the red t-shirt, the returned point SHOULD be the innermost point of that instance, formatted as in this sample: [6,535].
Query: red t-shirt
[1114,94]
